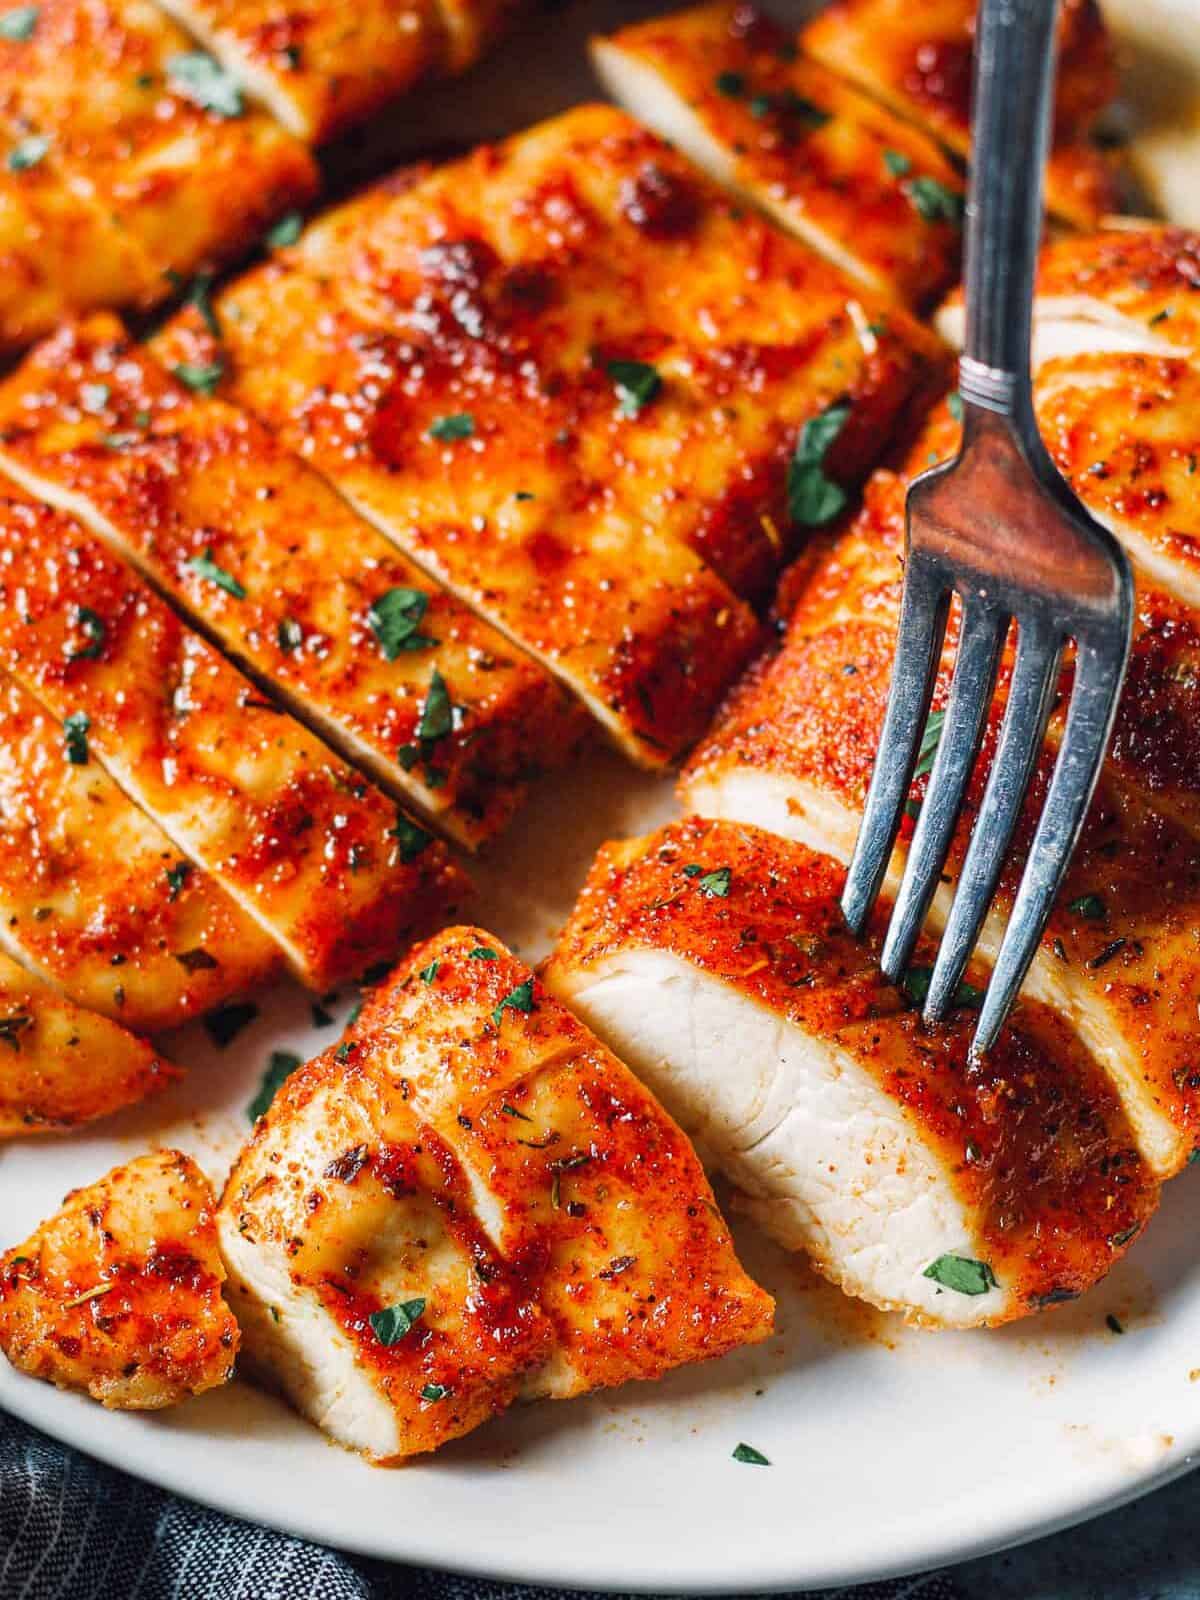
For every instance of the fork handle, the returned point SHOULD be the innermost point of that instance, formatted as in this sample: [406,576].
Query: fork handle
[1010,126]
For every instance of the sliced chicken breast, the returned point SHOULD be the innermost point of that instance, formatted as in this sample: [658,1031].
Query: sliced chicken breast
[326,866]
[916,58]
[795,752]
[714,957]
[97,900]
[115,99]
[541,370]
[118,1294]
[467,1200]
[573,1164]
[867,190]
[61,1066]
[396,673]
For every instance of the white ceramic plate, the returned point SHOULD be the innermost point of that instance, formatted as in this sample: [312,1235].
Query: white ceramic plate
[890,1450]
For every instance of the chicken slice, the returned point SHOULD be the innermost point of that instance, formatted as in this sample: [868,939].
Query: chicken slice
[321,69]
[795,751]
[364,1286]
[325,865]
[129,114]
[540,370]
[574,1165]
[60,1065]
[96,899]
[916,58]
[119,1293]
[396,673]
[865,189]
[715,958]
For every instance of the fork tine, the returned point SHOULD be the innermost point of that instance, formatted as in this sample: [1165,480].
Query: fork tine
[981,639]
[923,610]
[1098,677]
[1034,679]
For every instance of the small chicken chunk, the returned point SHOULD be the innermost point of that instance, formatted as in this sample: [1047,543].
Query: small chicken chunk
[60,1065]
[119,1293]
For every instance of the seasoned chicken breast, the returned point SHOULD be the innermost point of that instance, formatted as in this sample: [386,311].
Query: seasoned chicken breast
[119,1293]
[915,56]
[392,670]
[116,105]
[466,1200]
[794,754]
[869,191]
[96,899]
[715,958]
[320,69]
[60,1065]
[326,866]
[540,371]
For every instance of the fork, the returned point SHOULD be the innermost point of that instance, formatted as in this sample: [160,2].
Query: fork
[999,527]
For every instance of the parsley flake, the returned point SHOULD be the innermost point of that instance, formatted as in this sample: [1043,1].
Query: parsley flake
[94,630]
[27,152]
[962,1274]
[954,405]
[19,23]
[751,1457]
[518,999]
[395,618]
[930,740]
[933,202]
[916,981]
[715,885]
[13,1026]
[1113,1324]
[202,377]
[280,1066]
[410,838]
[482,952]
[286,231]
[897,163]
[393,1323]
[1089,906]
[636,384]
[75,732]
[429,973]
[177,877]
[814,499]
[290,635]
[433,1392]
[437,714]
[201,78]
[731,84]
[448,430]
[208,568]
[223,1026]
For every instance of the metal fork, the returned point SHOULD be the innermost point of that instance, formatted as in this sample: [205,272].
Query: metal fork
[999,527]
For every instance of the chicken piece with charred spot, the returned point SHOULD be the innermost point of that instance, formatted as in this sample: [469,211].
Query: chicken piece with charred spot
[119,1293]
[713,956]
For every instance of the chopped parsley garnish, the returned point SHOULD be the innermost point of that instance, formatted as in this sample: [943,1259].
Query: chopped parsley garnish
[930,740]
[320,1017]
[13,1026]
[429,973]
[208,568]
[1089,906]
[518,999]
[27,152]
[916,986]
[202,79]
[395,618]
[19,23]
[933,202]
[94,630]
[393,1323]
[433,1392]
[280,1066]
[202,377]
[458,425]
[223,1026]
[410,838]
[1113,1324]
[715,884]
[290,635]
[177,877]
[963,1274]
[750,1456]
[636,384]
[93,397]
[511,1111]
[286,231]
[814,499]
[731,84]
[198,294]
[75,732]
[954,404]
[897,163]
[437,714]
[791,104]
[482,952]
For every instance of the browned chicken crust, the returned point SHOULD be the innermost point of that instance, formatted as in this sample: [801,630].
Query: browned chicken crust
[97,899]
[1035,1139]
[390,668]
[60,1065]
[865,188]
[119,1293]
[322,861]
[915,55]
